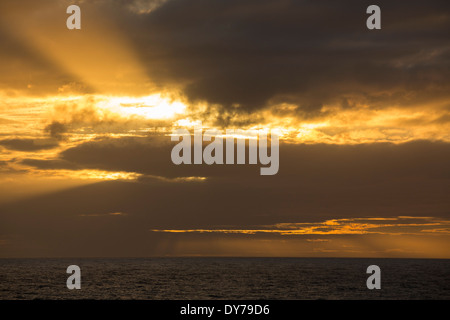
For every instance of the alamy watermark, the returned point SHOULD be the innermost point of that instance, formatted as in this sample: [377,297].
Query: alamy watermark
[74,281]
[214,152]
[374,281]
[373,21]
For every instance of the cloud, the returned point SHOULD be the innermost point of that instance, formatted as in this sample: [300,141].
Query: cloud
[245,56]
[25,70]
[50,164]
[56,130]
[109,214]
[391,226]
[97,114]
[65,230]
[28,144]
[319,162]
[313,181]
[145,6]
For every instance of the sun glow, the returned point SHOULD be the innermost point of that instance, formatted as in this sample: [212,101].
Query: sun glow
[87,174]
[150,107]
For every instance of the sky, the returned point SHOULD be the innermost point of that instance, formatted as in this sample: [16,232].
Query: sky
[86,119]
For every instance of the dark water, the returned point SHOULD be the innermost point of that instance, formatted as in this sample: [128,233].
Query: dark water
[224,278]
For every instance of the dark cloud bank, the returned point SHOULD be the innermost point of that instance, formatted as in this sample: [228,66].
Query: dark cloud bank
[252,54]
[29,144]
[315,183]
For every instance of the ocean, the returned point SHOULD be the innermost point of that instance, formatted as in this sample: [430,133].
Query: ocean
[224,278]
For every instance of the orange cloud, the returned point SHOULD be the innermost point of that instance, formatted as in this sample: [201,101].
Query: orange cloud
[424,225]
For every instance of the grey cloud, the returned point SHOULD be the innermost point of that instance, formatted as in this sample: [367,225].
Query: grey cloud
[56,130]
[151,155]
[325,175]
[308,53]
[259,53]
[25,68]
[50,164]
[28,144]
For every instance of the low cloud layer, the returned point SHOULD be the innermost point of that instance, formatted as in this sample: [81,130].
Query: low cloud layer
[28,144]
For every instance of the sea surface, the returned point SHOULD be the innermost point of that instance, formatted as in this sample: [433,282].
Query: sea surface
[225,278]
